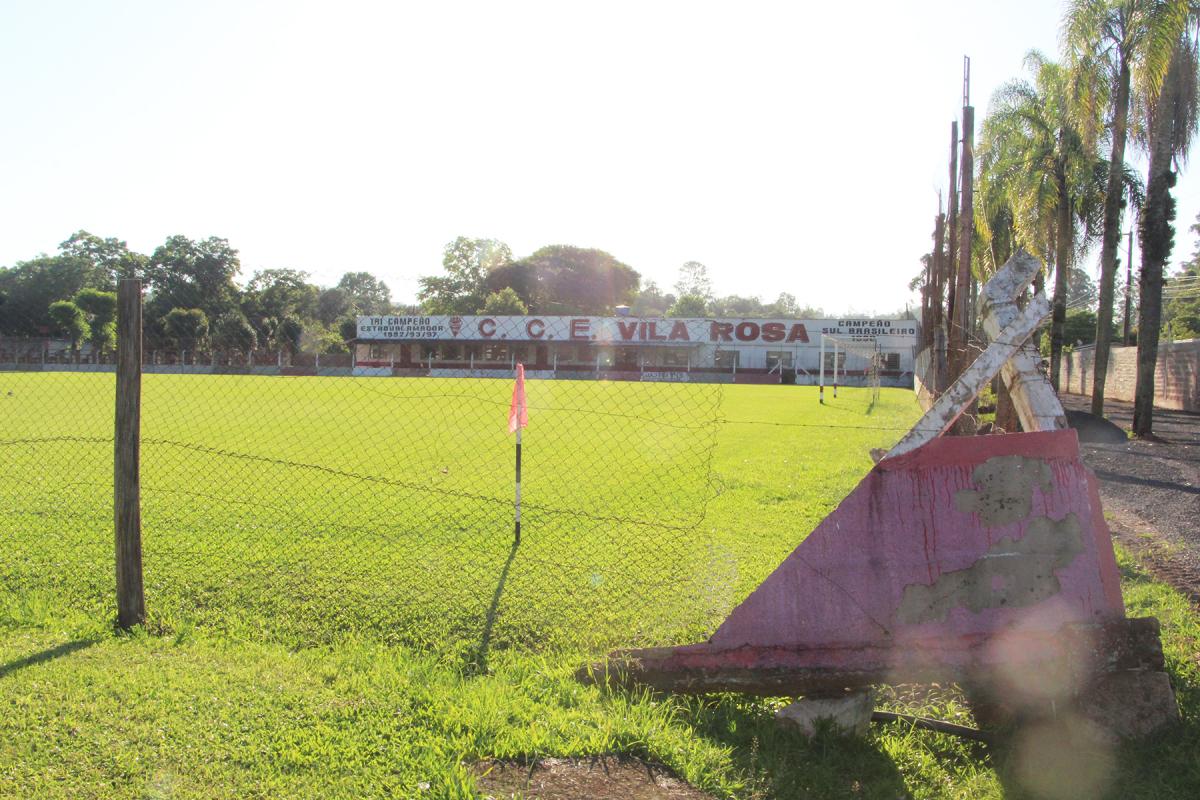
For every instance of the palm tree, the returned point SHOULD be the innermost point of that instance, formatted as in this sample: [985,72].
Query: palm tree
[1109,44]
[1170,122]
[1034,158]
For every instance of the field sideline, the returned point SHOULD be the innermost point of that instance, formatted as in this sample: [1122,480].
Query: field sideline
[337,609]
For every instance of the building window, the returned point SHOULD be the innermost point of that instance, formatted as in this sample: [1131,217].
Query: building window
[628,357]
[841,360]
[377,353]
[494,352]
[449,352]
[727,359]
[778,357]
[891,362]
[675,357]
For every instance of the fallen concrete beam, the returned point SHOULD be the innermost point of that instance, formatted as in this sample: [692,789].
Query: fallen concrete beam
[1077,654]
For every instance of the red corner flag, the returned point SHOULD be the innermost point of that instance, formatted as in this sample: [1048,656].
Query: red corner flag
[518,411]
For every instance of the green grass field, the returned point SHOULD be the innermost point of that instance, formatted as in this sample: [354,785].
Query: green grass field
[337,609]
[305,509]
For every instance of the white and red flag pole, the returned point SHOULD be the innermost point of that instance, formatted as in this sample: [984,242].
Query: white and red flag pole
[518,418]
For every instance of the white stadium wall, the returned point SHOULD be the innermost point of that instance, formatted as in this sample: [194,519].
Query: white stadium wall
[631,348]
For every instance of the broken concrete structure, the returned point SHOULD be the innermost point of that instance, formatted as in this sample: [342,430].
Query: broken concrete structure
[984,560]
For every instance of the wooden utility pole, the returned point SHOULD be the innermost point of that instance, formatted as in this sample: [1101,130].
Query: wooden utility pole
[952,229]
[1126,337]
[939,266]
[131,601]
[966,223]
[927,300]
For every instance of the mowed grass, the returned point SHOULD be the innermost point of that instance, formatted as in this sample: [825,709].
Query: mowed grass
[304,509]
[282,662]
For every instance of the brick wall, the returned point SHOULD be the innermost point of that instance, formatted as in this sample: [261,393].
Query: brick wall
[1176,381]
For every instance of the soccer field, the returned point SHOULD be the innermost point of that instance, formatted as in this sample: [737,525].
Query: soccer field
[337,610]
[303,509]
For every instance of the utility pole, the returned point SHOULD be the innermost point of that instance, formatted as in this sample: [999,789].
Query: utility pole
[960,319]
[1128,289]
[952,231]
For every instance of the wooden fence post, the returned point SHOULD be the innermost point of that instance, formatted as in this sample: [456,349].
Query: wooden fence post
[131,601]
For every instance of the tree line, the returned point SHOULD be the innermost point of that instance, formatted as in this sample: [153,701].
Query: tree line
[194,299]
[1053,177]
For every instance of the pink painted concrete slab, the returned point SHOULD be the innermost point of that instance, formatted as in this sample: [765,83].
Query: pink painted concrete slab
[942,545]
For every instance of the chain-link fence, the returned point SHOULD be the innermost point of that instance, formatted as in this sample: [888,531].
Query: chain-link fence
[298,502]
[304,508]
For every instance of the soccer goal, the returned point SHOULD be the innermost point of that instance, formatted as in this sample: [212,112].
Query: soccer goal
[851,362]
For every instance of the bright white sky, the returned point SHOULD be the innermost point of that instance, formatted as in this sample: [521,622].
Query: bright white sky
[789,146]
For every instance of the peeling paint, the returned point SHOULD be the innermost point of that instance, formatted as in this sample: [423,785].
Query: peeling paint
[1012,573]
[1005,492]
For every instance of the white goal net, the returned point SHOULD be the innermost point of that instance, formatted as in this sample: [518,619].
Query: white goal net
[846,361]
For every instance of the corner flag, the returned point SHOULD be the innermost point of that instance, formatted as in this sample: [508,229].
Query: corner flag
[518,411]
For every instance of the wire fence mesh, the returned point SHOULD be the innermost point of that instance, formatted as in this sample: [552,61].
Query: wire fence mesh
[303,509]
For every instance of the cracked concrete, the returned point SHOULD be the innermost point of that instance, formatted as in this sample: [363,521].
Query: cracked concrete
[1005,492]
[1014,573]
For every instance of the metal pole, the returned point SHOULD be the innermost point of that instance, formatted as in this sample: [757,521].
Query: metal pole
[821,391]
[517,530]
[835,368]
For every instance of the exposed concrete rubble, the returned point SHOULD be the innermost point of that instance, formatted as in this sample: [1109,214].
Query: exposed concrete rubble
[848,715]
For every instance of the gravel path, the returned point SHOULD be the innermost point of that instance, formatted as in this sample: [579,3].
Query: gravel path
[1151,490]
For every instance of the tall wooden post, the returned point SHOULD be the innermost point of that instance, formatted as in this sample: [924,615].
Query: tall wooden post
[131,601]
[1126,337]
[952,233]
[966,223]
[939,267]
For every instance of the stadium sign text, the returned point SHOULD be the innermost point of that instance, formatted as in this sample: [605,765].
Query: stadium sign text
[616,330]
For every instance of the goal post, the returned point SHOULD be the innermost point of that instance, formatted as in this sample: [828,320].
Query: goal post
[849,357]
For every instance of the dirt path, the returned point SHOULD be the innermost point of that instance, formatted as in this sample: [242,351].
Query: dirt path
[1151,491]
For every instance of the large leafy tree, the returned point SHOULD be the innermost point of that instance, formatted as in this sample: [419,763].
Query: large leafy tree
[288,333]
[277,294]
[188,327]
[1170,122]
[651,301]
[1112,47]
[233,332]
[368,295]
[561,279]
[193,275]
[332,304]
[736,306]
[504,302]
[101,311]
[689,306]
[110,256]
[1037,179]
[70,321]
[462,288]
[31,286]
